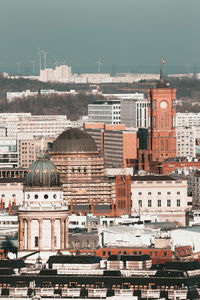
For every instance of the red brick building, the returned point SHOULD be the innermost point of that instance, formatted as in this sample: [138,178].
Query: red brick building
[161,137]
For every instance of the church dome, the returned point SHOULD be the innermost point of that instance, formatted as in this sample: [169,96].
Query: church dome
[74,140]
[42,173]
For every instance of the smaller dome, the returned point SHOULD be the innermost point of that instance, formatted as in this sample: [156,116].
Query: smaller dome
[74,140]
[42,173]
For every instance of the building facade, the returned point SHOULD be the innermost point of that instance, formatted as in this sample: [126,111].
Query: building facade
[134,113]
[43,221]
[82,174]
[116,142]
[102,111]
[161,139]
[186,141]
[187,119]
[162,194]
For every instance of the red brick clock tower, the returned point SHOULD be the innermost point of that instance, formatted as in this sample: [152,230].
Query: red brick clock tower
[161,141]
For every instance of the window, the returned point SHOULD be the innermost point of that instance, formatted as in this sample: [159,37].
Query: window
[149,193]
[46,196]
[149,203]
[36,241]
[159,203]
[168,193]
[178,193]
[36,196]
[13,195]
[159,193]
[140,203]
[140,193]
[3,195]
[178,202]
[168,202]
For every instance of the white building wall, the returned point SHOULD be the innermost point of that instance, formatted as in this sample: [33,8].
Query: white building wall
[160,196]
[187,119]
[185,141]
[108,113]
[46,234]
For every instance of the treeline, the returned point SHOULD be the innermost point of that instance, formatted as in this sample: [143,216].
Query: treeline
[73,106]
[22,84]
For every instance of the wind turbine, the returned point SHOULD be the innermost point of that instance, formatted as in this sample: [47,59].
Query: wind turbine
[98,62]
[33,65]
[45,58]
[18,67]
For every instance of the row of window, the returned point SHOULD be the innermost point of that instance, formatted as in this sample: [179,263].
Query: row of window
[159,203]
[3,195]
[159,193]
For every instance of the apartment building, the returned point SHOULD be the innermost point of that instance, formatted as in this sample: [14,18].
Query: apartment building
[186,141]
[187,119]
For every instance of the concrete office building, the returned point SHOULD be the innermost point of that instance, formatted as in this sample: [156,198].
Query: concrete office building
[107,112]
[116,142]
[134,113]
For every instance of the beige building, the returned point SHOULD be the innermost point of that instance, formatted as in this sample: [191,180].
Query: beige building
[30,147]
[81,168]
[43,220]
[161,194]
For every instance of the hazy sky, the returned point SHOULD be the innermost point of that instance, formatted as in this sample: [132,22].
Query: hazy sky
[128,35]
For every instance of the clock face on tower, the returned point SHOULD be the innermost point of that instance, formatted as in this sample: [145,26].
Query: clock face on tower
[163,104]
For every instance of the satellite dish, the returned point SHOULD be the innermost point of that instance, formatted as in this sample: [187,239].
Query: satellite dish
[11,255]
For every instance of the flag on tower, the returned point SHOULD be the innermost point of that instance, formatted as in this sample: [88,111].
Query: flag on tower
[162,60]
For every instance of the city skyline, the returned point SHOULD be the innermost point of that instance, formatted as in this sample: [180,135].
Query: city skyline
[128,36]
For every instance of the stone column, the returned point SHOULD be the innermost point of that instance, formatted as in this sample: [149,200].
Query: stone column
[40,233]
[29,234]
[62,232]
[21,233]
[52,234]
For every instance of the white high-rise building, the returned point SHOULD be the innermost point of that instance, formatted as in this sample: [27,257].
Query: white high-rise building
[185,141]
[187,119]
[60,74]
[107,112]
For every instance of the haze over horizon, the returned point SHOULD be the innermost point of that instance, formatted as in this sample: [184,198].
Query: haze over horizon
[127,35]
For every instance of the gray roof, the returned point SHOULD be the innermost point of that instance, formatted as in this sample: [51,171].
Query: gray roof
[74,140]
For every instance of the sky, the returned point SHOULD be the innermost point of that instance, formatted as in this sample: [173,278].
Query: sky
[127,35]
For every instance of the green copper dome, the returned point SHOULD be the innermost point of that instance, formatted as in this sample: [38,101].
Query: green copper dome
[42,173]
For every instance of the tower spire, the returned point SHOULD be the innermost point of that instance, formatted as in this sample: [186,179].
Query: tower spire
[162,61]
